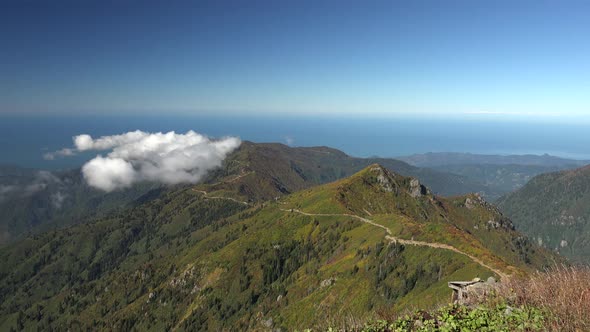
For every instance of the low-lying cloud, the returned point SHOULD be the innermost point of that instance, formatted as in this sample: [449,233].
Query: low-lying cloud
[137,156]
[20,188]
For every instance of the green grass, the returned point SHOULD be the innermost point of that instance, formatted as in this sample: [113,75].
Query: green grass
[217,264]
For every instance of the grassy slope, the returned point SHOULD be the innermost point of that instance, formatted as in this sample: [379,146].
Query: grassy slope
[183,261]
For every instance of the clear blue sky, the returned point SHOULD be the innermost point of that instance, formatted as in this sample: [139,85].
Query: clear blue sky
[426,58]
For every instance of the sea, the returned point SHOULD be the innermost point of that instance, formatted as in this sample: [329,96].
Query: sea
[24,139]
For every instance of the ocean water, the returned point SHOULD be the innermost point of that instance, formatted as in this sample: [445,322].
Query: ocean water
[24,140]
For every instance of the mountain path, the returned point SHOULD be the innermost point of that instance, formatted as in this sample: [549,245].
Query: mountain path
[234,179]
[219,197]
[394,239]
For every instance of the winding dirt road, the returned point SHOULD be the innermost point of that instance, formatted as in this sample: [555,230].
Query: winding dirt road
[219,197]
[402,241]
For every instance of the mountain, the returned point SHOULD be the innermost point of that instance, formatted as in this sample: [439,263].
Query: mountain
[499,174]
[190,259]
[433,159]
[267,170]
[554,209]
[498,179]
[32,201]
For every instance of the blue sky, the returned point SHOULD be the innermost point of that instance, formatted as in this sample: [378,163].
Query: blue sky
[488,59]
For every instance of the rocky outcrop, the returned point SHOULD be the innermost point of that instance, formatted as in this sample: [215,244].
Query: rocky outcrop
[417,189]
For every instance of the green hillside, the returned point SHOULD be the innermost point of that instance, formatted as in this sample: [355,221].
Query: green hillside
[499,179]
[263,171]
[373,243]
[554,210]
[32,201]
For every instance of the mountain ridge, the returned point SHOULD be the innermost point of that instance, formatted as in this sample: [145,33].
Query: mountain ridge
[186,260]
[553,209]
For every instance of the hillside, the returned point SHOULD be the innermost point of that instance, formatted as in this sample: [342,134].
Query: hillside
[499,179]
[32,201]
[263,171]
[192,260]
[554,209]
[499,174]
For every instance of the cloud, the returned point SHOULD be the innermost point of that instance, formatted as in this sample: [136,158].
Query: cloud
[58,199]
[41,181]
[289,140]
[136,156]
[512,113]
[60,153]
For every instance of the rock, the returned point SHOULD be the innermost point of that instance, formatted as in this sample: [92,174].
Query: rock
[279,298]
[382,179]
[416,189]
[268,323]
[508,311]
[327,282]
[491,280]
[493,224]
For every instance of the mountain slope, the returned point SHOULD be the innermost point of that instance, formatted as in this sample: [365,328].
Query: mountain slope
[32,201]
[499,174]
[499,179]
[192,260]
[263,171]
[554,209]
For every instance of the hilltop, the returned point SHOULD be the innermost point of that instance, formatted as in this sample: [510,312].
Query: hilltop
[262,171]
[554,210]
[32,201]
[192,259]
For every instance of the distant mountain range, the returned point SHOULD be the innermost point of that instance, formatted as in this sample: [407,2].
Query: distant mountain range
[257,247]
[433,159]
[554,210]
[499,174]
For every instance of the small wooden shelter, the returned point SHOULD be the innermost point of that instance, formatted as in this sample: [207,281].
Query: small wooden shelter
[468,292]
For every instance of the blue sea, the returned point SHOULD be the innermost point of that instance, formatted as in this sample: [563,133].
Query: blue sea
[24,140]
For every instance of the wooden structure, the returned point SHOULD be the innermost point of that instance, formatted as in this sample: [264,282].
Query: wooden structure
[469,292]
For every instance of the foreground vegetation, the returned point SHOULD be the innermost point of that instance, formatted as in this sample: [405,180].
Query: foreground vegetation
[557,299]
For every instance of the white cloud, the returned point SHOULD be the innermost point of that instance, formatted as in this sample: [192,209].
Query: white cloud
[58,199]
[289,140]
[60,153]
[41,181]
[108,174]
[169,158]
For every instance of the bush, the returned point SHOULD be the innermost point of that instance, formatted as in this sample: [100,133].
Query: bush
[562,291]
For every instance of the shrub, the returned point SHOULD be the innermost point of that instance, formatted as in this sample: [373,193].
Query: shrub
[562,291]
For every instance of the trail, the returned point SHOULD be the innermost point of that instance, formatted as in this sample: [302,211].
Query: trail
[236,178]
[219,197]
[394,239]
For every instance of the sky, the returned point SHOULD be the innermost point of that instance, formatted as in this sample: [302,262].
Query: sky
[480,59]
